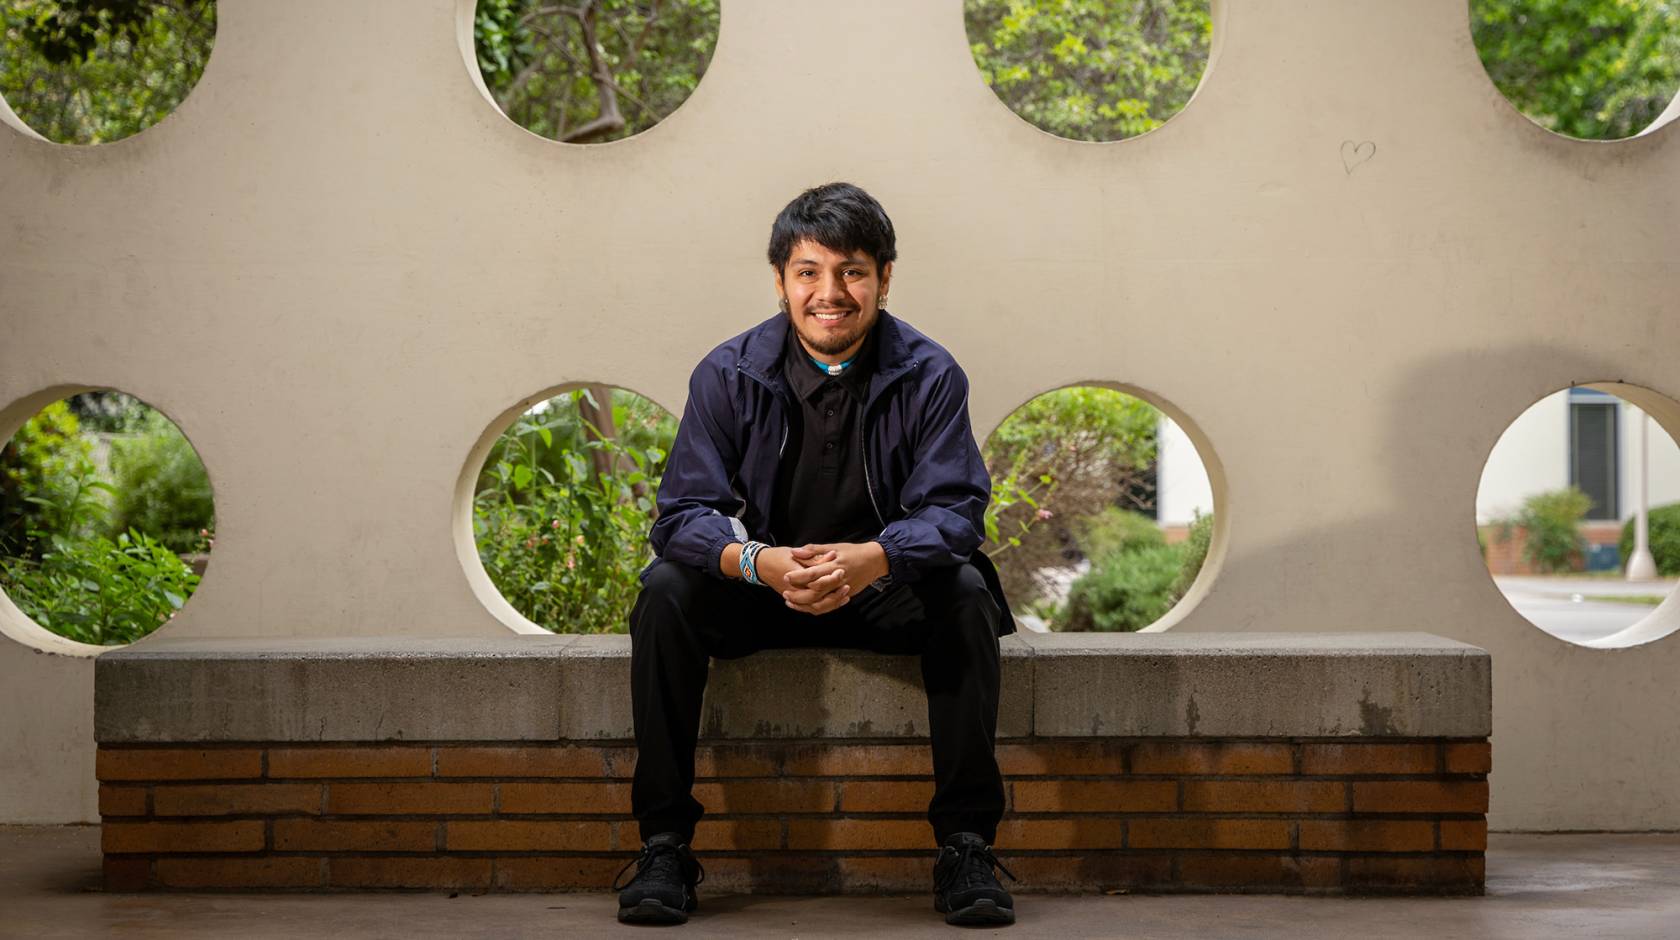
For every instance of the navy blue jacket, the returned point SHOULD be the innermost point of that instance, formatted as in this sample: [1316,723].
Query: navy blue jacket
[922,468]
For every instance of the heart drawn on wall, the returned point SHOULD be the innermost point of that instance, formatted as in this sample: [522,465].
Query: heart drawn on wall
[1354,154]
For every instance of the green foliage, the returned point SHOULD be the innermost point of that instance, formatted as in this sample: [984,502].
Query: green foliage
[1597,69]
[87,71]
[539,61]
[100,591]
[563,541]
[1663,534]
[1195,554]
[1113,531]
[1550,521]
[160,486]
[1091,69]
[1061,457]
[38,459]
[1125,592]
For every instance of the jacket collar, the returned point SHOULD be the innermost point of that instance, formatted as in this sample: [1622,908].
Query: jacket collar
[762,357]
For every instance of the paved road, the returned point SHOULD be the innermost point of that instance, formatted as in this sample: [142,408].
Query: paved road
[1559,605]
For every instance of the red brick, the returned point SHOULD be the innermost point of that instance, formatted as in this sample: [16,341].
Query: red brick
[1231,870]
[1061,757]
[157,763]
[404,798]
[350,762]
[229,799]
[236,872]
[1420,796]
[786,795]
[1347,759]
[1018,833]
[1464,835]
[562,873]
[1450,873]
[528,835]
[1216,758]
[1204,833]
[1100,871]
[736,760]
[726,835]
[1470,757]
[885,796]
[590,798]
[411,872]
[886,873]
[307,835]
[1094,796]
[524,761]
[859,760]
[244,835]
[1367,835]
[122,801]
[127,873]
[780,873]
[860,834]
[1265,796]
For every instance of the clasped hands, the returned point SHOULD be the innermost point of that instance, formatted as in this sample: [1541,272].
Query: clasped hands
[816,579]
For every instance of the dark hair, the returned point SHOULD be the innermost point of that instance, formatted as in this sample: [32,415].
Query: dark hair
[838,216]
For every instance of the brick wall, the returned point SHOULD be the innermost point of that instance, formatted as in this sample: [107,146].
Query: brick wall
[1154,814]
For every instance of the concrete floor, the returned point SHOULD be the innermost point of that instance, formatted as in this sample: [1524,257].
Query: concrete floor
[1581,886]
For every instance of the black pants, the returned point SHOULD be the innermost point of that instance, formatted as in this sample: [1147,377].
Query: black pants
[684,617]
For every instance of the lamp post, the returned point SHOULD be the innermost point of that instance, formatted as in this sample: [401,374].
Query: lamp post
[1641,566]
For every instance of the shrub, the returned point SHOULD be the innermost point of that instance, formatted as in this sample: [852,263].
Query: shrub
[1551,521]
[1125,592]
[1195,554]
[38,461]
[161,487]
[1664,536]
[562,540]
[100,591]
[1113,531]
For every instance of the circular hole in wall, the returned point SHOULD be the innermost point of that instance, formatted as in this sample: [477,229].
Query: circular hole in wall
[106,518]
[1558,512]
[93,71]
[562,505]
[592,72]
[1593,69]
[1102,513]
[1092,69]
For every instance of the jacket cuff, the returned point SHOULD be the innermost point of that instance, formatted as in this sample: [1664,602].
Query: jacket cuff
[714,552]
[898,567]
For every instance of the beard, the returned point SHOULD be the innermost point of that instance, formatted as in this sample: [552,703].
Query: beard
[828,343]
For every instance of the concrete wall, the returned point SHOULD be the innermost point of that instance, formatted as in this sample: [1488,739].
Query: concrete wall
[342,273]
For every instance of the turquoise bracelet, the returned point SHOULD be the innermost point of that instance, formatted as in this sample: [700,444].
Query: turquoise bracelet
[749,562]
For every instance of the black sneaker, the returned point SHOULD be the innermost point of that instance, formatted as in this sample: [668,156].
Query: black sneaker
[964,888]
[662,890]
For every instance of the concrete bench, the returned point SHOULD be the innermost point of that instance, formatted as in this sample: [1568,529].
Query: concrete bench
[1316,763]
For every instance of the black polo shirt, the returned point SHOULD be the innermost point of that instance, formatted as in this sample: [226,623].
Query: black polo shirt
[821,493]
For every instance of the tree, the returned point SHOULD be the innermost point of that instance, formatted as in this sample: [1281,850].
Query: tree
[593,70]
[1091,69]
[1597,69]
[88,71]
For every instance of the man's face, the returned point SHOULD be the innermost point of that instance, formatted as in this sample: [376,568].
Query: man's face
[831,297]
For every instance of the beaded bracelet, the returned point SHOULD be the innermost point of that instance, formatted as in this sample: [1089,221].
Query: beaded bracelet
[749,562]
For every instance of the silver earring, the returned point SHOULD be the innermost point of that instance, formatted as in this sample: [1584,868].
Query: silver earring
[782,303]
[881,303]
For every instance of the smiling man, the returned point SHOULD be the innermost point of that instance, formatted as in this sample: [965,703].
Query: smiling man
[824,490]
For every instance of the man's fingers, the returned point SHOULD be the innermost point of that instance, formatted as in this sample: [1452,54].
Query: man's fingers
[807,577]
[817,590]
[809,557]
[826,603]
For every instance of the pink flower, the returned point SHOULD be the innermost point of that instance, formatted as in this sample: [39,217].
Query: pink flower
[555,524]
[1045,514]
